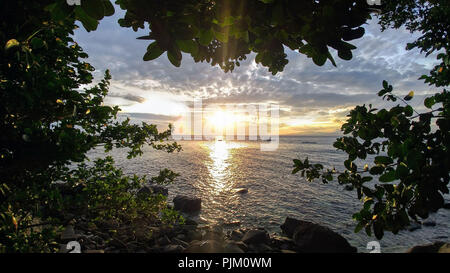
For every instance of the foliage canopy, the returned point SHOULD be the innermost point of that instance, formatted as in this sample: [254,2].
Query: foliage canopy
[406,150]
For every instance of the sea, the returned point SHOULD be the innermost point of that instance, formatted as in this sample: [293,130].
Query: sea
[214,171]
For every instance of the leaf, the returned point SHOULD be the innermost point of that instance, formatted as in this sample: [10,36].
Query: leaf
[187,46]
[383,160]
[223,37]
[37,43]
[88,22]
[153,52]
[388,177]
[94,8]
[358,227]
[108,8]
[173,59]
[409,96]
[429,102]
[378,229]
[408,110]
[11,43]
[206,37]
[319,59]
[14,221]
[385,84]
[345,54]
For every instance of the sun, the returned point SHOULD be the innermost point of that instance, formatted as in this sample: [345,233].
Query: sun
[220,120]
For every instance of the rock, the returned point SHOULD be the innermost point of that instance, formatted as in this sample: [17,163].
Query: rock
[94,251]
[153,189]
[212,235]
[173,249]
[208,246]
[236,235]
[429,223]
[194,235]
[290,224]
[180,242]
[241,190]
[310,237]
[69,234]
[187,204]
[316,238]
[287,251]
[281,242]
[255,236]
[63,248]
[446,206]
[444,248]
[163,241]
[428,248]
[181,236]
[232,247]
[217,229]
[242,246]
[261,248]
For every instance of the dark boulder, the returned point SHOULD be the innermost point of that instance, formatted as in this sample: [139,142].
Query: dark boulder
[311,237]
[232,247]
[256,236]
[173,249]
[208,246]
[187,204]
[429,248]
[290,225]
[429,223]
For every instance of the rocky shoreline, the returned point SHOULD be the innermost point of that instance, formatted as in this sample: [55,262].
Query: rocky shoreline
[297,236]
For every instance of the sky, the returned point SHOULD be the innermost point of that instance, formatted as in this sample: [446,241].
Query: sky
[312,100]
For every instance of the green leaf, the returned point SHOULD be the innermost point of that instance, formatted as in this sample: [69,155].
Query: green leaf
[378,229]
[173,59]
[359,226]
[388,177]
[408,110]
[153,52]
[187,46]
[37,43]
[429,102]
[88,22]
[206,37]
[319,59]
[383,160]
[345,54]
[223,37]
[402,170]
[385,84]
[108,8]
[94,8]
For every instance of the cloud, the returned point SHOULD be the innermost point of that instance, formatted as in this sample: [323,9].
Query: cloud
[302,90]
[128,96]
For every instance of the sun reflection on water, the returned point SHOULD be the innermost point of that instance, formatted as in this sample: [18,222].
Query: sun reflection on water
[219,168]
